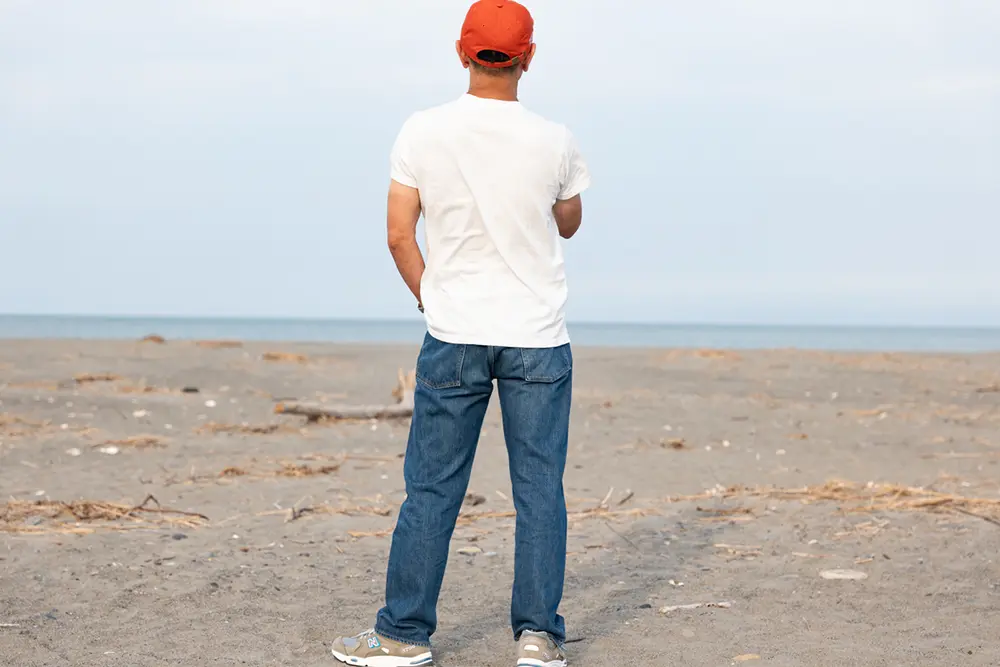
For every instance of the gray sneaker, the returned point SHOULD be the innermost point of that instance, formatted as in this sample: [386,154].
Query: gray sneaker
[372,650]
[537,649]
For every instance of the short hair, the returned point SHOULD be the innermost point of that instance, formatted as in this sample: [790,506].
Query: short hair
[490,56]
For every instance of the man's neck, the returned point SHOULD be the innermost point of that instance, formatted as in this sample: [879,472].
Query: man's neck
[493,88]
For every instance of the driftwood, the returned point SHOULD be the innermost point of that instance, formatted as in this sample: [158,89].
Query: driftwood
[402,409]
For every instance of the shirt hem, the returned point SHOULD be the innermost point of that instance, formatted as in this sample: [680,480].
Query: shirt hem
[527,342]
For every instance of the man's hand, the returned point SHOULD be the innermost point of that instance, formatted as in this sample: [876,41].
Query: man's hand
[401,222]
[568,214]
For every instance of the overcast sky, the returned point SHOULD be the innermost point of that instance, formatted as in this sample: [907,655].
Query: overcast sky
[769,161]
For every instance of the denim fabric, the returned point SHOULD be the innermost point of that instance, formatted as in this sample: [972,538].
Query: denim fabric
[454,384]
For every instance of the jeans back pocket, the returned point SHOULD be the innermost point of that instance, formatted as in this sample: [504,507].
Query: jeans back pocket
[439,364]
[547,364]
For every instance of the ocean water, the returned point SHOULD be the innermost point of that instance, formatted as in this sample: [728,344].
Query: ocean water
[583,334]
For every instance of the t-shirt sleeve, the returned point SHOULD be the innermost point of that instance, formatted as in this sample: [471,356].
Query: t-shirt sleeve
[401,160]
[575,175]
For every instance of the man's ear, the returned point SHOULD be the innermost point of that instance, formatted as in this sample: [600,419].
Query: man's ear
[461,54]
[528,57]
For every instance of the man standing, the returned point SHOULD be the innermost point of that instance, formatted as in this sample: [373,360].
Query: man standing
[498,186]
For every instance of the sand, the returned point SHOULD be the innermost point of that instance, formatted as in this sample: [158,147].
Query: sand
[292,548]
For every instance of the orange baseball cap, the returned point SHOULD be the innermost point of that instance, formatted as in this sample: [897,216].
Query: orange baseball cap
[502,26]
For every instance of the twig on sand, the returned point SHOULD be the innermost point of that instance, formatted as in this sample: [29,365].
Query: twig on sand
[624,539]
[296,513]
[253,471]
[995,522]
[696,605]
[962,455]
[315,412]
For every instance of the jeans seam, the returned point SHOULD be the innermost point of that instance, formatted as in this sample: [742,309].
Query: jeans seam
[399,639]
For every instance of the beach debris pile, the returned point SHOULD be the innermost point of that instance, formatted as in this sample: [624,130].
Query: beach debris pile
[88,516]
[870,497]
[286,469]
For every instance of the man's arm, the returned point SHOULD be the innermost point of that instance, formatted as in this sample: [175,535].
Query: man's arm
[401,222]
[568,214]
[575,178]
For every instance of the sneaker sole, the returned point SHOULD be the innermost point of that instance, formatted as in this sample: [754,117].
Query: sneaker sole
[528,662]
[425,660]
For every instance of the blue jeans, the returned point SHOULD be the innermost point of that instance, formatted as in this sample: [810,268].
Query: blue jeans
[454,384]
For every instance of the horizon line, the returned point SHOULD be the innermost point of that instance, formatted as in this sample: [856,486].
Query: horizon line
[415,321]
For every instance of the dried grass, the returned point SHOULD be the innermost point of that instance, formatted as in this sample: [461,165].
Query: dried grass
[256,470]
[41,385]
[213,428]
[219,344]
[675,443]
[870,497]
[15,426]
[356,534]
[851,496]
[704,353]
[304,470]
[138,442]
[143,389]
[88,378]
[286,469]
[468,518]
[66,518]
[924,414]
[343,458]
[738,552]
[285,357]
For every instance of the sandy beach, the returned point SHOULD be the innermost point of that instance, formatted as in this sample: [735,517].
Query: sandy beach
[202,528]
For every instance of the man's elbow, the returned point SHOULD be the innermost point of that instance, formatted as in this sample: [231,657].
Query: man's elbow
[398,241]
[568,215]
[569,225]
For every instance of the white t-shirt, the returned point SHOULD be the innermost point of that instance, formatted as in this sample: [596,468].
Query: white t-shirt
[488,173]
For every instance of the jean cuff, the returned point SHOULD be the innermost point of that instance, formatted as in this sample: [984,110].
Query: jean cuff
[397,638]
